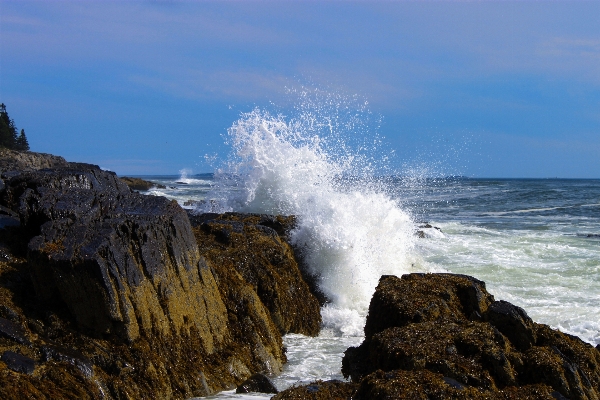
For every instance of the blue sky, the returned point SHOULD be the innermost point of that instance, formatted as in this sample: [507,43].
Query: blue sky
[484,89]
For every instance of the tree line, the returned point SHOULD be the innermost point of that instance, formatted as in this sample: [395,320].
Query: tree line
[9,137]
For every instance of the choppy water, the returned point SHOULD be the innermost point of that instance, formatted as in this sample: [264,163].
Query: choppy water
[536,243]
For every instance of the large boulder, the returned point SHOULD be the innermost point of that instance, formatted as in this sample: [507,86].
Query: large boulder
[443,336]
[106,292]
[253,247]
[447,332]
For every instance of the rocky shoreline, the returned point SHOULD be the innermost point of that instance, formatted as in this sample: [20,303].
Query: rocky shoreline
[443,336]
[107,293]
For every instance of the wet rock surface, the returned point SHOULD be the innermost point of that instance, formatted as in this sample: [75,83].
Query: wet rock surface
[449,325]
[104,293]
[443,336]
[257,383]
[18,362]
[139,184]
[252,248]
[319,390]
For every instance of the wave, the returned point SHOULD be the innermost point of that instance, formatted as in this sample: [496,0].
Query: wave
[349,231]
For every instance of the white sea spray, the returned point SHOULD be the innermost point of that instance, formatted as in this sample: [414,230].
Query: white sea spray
[349,232]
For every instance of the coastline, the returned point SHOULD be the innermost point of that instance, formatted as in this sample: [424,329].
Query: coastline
[109,293]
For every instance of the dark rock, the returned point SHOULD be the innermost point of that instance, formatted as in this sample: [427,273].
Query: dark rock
[454,383]
[425,297]
[18,362]
[401,384]
[140,184]
[12,331]
[422,233]
[130,308]
[6,221]
[257,383]
[424,346]
[7,211]
[71,356]
[513,322]
[9,313]
[442,336]
[192,203]
[11,160]
[253,246]
[319,390]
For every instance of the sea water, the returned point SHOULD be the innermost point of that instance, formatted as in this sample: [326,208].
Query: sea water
[535,242]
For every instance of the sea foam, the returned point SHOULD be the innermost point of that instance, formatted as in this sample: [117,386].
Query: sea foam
[349,231]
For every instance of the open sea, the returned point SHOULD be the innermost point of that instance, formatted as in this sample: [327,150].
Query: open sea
[535,242]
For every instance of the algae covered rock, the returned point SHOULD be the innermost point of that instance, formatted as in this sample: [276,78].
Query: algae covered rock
[139,184]
[319,390]
[253,247]
[447,335]
[105,292]
[443,336]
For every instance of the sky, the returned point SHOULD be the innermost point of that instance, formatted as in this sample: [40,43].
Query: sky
[481,89]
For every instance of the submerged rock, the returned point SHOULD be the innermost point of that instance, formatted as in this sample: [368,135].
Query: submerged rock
[257,383]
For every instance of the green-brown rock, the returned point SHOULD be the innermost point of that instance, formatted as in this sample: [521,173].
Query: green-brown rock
[105,294]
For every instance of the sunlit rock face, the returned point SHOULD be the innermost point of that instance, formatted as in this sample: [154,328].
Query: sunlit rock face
[448,334]
[253,248]
[108,292]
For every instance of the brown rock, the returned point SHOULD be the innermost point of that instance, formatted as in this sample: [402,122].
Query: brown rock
[253,246]
[124,305]
[425,297]
[443,336]
[139,184]
[319,390]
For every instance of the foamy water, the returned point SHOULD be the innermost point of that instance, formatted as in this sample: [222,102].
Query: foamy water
[348,234]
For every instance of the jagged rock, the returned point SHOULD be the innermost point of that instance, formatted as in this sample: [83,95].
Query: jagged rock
[124,305]
[425,297]
[513,322]
[443,336]
[424,384]
[12,160]
[8,218]
[140,184]
[252,245]
[257,383]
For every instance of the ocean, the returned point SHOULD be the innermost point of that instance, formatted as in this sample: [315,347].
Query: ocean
[535,242]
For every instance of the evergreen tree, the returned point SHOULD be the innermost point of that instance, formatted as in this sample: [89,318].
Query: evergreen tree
[22,143]
[7,136]
[8,132]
